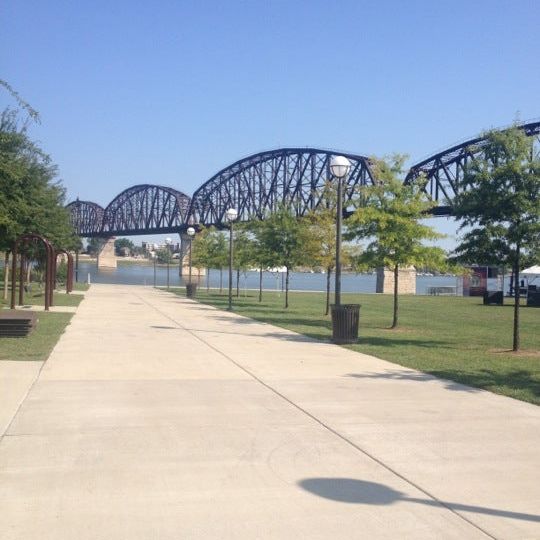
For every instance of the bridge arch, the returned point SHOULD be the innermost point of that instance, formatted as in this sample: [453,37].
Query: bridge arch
[86,217]
[255,185]
[444,171]
[146,209]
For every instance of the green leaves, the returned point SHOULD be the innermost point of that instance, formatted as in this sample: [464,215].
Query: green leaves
[285,240]
[499,198]
[210,249]
[390,217]
[31,199]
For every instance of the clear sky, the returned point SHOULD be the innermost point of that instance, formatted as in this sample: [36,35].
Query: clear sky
[171,91]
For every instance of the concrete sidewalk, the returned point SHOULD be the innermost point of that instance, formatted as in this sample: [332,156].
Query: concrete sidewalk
[159,418]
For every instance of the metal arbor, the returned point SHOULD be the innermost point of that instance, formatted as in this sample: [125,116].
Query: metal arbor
[444,171]
[69,275]
[256,185]
[25,240]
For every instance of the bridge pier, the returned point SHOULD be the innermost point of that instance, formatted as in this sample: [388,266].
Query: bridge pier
[406,280]
[107,256]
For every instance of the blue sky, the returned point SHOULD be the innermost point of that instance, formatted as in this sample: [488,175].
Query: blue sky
[169,92]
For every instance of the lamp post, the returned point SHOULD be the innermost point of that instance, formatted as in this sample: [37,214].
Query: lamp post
[339,167]
[231,215]
[191,233]
[168,242]
[345,317]
[154,256]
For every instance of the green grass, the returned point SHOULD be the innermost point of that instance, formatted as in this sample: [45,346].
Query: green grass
[451,337]
[80,286]
[37,296]
[39,344]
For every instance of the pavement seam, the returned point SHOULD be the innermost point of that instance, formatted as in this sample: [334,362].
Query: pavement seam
[320,422]
[5,432]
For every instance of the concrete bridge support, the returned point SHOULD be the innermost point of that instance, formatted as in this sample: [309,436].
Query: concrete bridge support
[406,281]
[107,257]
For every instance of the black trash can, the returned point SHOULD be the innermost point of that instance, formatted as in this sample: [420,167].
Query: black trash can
[191,290]
[533,299]
[493,297]
[345,319]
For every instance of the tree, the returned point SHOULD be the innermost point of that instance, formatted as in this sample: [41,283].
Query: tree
[389,214]
[201,255]
[31,112]
[94,245]
[322,226]
[244,252]
[164,255]
[287,242]
[31,199]
[122,244]
[210,251]
[499,201]
[219,254]
[261,258]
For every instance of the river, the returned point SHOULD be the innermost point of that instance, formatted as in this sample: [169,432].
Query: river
[134,274]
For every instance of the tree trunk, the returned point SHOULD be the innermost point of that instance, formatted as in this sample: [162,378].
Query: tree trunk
[515,345]
[207,280]
[221,280]
[237,282]
[328,281]
[287,288]
[396,280]
[6,274]
[260,283]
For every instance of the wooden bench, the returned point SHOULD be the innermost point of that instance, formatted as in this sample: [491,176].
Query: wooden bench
[17,323]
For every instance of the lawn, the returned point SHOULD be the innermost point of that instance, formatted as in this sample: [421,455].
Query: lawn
[39,344]
[36,296]
[451,337]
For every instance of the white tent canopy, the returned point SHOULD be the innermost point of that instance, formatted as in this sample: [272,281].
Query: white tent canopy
[532,271]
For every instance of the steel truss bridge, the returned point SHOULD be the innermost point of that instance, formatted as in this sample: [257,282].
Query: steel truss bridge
[258,184]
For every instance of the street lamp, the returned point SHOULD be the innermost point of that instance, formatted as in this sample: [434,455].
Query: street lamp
[344,318]
[231,216]
[168,242]
[191,233]
[154,256]
[339,167]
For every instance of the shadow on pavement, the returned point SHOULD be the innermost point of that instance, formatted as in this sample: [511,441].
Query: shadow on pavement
[352,491]
[414,376]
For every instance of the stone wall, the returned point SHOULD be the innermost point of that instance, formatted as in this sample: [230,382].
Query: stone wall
[406,281]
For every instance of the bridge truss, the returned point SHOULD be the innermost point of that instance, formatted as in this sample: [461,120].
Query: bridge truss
[257,184]
[443,172]
[86,217]
[146,209]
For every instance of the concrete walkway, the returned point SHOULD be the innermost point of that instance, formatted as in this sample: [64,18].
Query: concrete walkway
[159,418]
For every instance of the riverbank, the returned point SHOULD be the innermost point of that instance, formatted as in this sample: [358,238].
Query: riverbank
[432,336]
